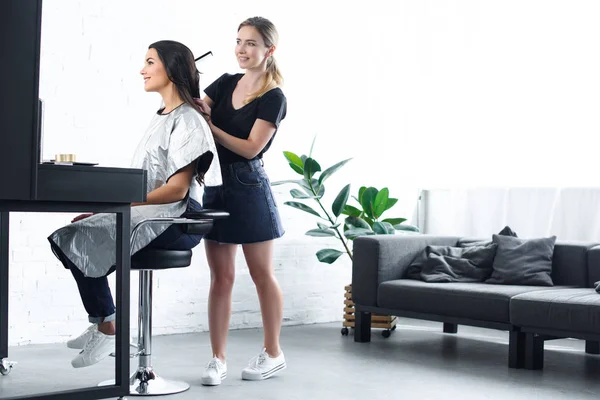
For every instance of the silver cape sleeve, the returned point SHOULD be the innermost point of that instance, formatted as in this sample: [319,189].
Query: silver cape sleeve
[187,145]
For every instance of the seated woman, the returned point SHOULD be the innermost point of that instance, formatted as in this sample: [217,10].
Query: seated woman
[176,145]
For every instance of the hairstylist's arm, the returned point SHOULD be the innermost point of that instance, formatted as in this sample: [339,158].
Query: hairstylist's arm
[205,105]
[174,190]
[261,133]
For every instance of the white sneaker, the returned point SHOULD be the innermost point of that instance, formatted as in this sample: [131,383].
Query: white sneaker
[263,366]
[214,373]
[82,339]
[95,350]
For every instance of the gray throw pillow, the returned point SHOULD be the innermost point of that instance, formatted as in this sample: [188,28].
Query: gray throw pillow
[458,264]
[466,242]
[523,261]
[507,231]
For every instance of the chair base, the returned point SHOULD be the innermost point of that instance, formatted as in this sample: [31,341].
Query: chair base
[145,382]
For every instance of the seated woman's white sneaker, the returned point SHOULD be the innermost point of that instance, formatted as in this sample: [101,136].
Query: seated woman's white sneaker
[214,372]
[264,366]
[80,341]
[97,348]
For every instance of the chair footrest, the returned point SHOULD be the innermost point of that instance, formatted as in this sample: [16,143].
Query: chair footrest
[206,214]
[131,355]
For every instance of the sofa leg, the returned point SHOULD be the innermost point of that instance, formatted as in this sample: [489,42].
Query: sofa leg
[534,351]
[362,326]
[516,349]
[450,328]
[592,347]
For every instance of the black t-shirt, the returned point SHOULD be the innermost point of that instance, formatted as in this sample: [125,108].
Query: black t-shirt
[270,107]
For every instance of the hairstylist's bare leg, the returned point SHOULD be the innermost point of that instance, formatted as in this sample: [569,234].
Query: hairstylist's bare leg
[259,257]
[221,260]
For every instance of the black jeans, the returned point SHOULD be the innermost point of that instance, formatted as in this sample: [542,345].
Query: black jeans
[95,292]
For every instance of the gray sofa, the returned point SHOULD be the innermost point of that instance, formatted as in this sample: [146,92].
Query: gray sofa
[531,314]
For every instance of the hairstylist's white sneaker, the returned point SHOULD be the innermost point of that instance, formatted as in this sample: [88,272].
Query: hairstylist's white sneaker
[81,340]
[264,366]
[95,350]
[214,373]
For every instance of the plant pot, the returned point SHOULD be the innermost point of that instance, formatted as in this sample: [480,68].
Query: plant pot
[385,322]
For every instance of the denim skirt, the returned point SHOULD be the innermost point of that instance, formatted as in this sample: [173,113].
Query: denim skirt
[246,195]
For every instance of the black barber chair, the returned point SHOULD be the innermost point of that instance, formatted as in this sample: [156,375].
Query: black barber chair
[144,381]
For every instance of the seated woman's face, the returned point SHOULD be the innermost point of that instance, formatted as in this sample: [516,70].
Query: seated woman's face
[154,72]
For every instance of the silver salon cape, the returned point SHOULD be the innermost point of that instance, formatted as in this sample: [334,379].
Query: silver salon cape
[171,142]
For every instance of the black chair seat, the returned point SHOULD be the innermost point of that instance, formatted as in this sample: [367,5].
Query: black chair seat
[161,259]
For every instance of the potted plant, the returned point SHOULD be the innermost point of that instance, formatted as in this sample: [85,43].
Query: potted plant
[341,220]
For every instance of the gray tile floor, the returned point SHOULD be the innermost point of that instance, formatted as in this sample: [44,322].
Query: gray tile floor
[417,362]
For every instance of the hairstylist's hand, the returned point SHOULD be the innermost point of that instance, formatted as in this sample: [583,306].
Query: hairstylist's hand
[81,216]
[204,108]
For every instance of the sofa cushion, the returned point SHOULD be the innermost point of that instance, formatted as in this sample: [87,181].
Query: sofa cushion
[575,310]
[458,264]
[478,301]
[523,261]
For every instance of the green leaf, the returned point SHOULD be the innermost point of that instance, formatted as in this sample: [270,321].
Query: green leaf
[380,202]
[329,171]
[297,169]
[406,227]
[325,226]
[394,221]
[369,220]
[356,232]
[340,200]
[312,145]
[356,222]
[294,159]
[321,191]
[320,232]
[311,167]
[304,184]
[303,207]
[298,194]
[301,182]
[367,201]
[361,191]
[287,181]
[351,210]
[390,203]
[328,255]
[379,228]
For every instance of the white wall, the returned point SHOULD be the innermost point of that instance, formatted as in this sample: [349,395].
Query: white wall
[420,93]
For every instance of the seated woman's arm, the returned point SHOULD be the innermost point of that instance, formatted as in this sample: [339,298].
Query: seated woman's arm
[174,190]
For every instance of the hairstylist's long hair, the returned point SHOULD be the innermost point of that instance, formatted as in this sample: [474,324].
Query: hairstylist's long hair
[181,69]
